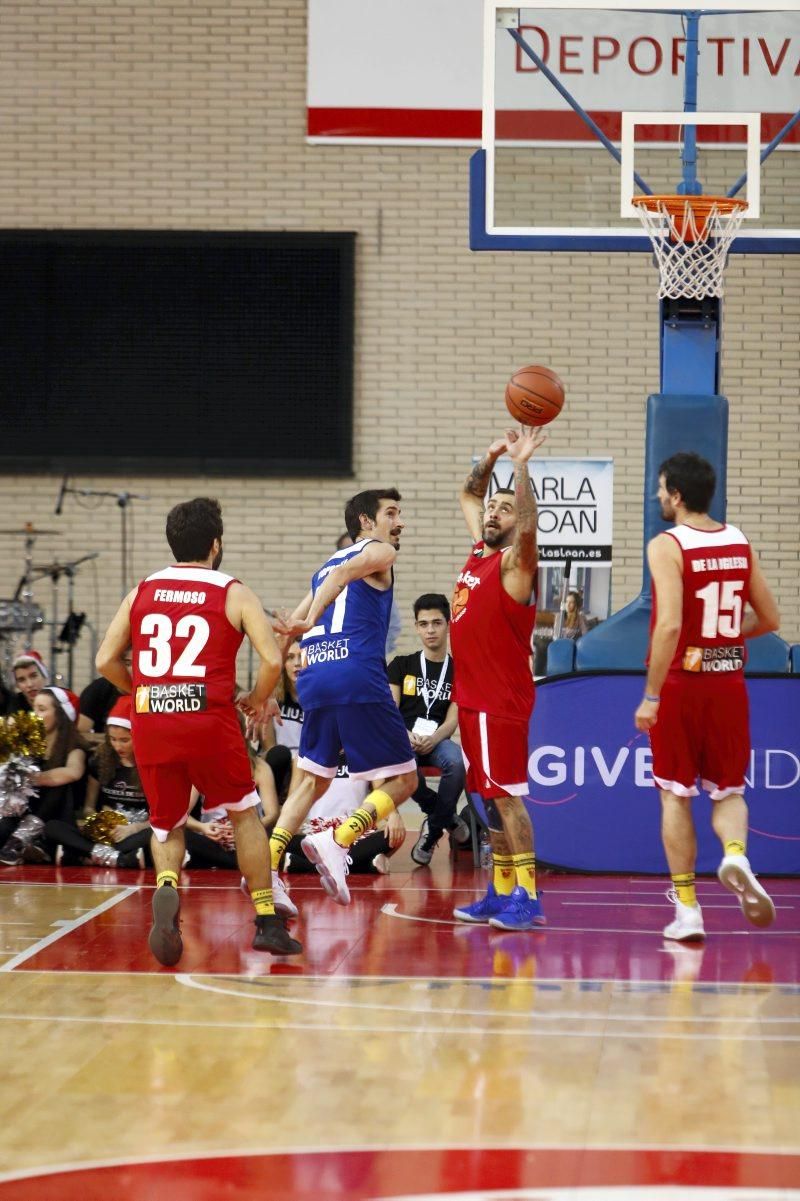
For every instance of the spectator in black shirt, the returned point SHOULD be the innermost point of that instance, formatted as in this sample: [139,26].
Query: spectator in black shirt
[97,701]
[421,685]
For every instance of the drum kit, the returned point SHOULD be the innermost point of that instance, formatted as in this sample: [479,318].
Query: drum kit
[21,617]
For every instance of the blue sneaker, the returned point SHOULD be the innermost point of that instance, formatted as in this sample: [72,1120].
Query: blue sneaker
[482,910]
[520,912]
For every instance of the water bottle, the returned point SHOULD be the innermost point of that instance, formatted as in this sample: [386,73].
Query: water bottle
[485,853]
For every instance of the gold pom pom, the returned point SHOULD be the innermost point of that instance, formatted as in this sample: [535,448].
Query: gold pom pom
[22,736]
[98,826]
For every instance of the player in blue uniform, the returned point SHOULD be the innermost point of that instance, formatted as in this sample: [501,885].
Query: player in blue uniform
[343,688]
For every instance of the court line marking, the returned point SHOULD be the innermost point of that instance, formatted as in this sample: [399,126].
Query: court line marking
[449,1030]
[390,910]
[625,984]
[187,979]
[67,928]
[198,1153]
[653,905]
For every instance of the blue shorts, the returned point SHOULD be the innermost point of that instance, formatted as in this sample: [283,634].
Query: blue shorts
[373,737]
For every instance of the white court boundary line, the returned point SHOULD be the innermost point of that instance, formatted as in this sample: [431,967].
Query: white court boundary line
[199,1154]
[67,928]
[390,910]
[449,1031]
[626,984]
[188,979]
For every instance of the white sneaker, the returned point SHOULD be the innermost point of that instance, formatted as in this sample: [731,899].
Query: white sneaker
[688,923]
[331,861]
[284,905]
[736,875]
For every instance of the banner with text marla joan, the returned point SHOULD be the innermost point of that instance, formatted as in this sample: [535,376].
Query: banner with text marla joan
[575,498]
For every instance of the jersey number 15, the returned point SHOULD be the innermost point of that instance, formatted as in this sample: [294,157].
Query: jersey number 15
[722,608]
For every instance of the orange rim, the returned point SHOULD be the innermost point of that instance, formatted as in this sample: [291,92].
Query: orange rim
[702,205]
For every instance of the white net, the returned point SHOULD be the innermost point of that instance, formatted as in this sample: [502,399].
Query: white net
[691,236]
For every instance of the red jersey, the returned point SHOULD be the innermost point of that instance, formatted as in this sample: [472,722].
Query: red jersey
[490,636]
[716,587]
[184,665]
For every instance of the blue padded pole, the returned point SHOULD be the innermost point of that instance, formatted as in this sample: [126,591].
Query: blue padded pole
[690,185]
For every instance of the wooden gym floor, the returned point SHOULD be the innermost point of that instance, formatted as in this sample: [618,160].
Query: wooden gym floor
[403,1055]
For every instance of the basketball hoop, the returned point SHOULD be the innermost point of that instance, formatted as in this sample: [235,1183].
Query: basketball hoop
[691,236]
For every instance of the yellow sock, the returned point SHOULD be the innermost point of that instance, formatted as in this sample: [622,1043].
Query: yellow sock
[503,878]
[279,840]
[170,878]
[684,887]
[525,870]
[735,848]
[358,823]
[262,899]
[383,803]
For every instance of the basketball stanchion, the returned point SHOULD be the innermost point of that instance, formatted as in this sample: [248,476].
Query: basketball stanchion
[691,237]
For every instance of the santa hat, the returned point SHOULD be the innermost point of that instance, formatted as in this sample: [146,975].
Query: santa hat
[68,701]
[120,715]
[31,659]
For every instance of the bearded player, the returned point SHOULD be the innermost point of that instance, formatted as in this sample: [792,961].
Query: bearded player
[704,574]
[494,610]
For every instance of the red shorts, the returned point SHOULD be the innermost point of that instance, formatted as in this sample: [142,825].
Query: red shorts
[703,730]
[225,779]
[496,754]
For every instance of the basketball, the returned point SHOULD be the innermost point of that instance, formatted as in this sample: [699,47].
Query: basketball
[534,395]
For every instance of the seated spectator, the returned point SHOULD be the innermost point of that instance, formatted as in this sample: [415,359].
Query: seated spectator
[30,677]
[209,831]
[421,685]
[96,701]
[113,792]
[281,735]
[64,765]
[574,625]
[371,852]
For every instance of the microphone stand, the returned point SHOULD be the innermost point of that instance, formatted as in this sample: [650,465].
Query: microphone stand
[123,499]
[54,572]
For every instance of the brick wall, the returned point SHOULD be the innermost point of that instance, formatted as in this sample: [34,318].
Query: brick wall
[192,115]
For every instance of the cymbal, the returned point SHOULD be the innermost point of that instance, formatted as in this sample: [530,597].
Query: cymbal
[30,531]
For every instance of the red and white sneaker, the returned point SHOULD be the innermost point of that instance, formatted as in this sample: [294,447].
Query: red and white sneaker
[331,861]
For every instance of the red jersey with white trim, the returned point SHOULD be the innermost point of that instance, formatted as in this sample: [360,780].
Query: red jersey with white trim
[490,636]
[184,665]
[716,588]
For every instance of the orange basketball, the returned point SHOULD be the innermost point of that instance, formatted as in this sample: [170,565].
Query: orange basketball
[534,395]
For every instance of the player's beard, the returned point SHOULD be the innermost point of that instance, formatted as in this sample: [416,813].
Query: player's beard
[667,512]
[394,537]
[215,562]
[492,536]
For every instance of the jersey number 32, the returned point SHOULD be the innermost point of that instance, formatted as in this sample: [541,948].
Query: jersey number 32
[157,660]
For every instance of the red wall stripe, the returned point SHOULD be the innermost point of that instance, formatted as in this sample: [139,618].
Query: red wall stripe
[465,124]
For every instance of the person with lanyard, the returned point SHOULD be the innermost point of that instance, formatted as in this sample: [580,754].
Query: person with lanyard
[421,685]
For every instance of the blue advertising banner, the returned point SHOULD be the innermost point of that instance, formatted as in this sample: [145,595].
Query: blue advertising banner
[592,799]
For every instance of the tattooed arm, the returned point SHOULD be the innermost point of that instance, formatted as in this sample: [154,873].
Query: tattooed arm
[475,487]
[521,562]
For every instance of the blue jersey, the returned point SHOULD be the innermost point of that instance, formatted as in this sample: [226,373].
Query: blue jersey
[343,656]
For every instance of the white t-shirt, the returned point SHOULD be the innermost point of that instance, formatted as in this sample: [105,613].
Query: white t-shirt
[289,733]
